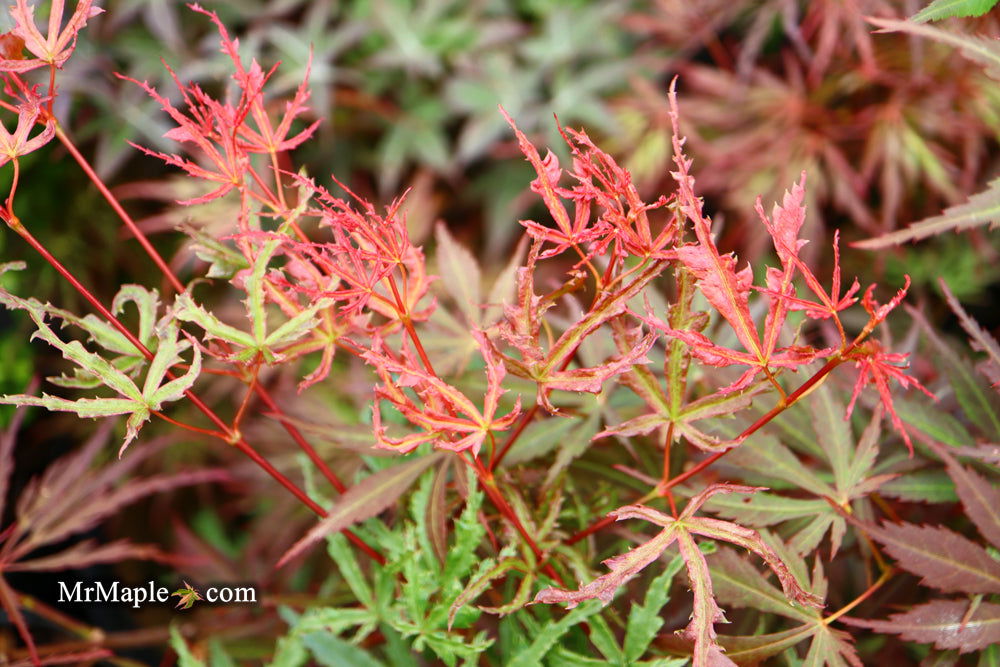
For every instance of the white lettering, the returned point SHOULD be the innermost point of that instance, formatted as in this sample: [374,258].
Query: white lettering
[102,594]
[66,596]
[137,595]
[246,594]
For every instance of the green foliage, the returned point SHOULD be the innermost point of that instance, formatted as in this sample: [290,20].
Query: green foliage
[185,658]
[620,399]
[419,610]
[94,369]
[942,9]
[16,362]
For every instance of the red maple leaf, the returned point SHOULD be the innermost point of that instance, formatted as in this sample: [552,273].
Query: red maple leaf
[876,367]
[447,417]
[728,289]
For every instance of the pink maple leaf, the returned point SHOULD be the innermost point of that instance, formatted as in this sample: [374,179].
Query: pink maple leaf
[447,417]
[568,232]
[220,135]
[602,184]
[784,226]
[265,137]
[876,367]
[210,129]
[54,48]
[728,289]
[623,214]
[682,529]
[13,145]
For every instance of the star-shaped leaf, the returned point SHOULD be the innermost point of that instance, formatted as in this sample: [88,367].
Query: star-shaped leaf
[132,401]
[188,596]
[681,529]
[55,47]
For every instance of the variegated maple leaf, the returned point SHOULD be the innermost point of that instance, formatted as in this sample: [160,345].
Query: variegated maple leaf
[263,136]
[728,289]
[447,417]
[16,143]
[54,48]
[220,134]
[271,346]
[138,403]
[876,366]
[549,368]
[209,130]
[607,207]
[569,232]
[188,596]
[681,529]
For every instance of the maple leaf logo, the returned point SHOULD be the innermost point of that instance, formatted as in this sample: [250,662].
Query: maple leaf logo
[188,596]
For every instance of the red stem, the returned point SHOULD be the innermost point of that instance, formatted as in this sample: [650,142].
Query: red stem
[245,403]
[126,218]
[591,529]
[52,88]
[404,317]
[300,440]
[783,405]
[488,484]
[188,427]
[170,276]
[483,475]
[237,441]
[497,457]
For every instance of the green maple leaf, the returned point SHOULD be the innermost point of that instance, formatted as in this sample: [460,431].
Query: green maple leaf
[188,596]
[138,403]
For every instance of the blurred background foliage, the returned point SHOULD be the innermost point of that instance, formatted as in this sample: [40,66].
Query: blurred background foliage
[890,128]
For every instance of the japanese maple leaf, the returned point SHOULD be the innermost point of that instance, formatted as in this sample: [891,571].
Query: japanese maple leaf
[72,497]
[681,529]
[209,128]
[549,368]
[218,133]
[948,624]
[188,596]
[568,232]
[138,403]
[447,417]
[265,137]
[784,225]
[54,48]
[602,184]
[728,289]
[740,585]
[949,562]
[622,214]
[876,366]
[830,303]
[13,145]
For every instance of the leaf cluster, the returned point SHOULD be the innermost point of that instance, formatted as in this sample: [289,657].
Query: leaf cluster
[498,428]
